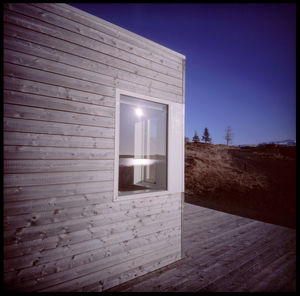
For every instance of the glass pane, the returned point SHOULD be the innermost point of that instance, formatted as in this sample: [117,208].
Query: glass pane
[143,146]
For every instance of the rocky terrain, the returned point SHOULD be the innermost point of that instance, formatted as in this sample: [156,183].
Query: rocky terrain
[254,182]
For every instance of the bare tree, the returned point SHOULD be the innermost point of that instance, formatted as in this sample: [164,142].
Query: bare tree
[228,135]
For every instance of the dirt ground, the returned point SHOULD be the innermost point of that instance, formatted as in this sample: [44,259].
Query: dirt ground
[253,182]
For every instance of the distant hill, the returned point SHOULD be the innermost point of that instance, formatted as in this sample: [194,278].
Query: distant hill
[283,143]
[286,142]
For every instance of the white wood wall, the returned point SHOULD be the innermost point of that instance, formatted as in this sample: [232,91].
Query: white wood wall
[62,229]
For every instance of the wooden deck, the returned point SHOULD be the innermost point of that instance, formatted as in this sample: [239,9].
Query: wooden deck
[224,252]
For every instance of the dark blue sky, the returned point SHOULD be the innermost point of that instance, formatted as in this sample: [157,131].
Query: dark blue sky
[240,62]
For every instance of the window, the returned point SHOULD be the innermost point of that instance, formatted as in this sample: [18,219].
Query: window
[142,146]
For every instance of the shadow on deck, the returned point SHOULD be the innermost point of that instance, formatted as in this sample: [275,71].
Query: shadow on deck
[224,252]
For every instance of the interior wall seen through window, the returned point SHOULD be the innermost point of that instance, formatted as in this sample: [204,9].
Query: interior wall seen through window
[142,146]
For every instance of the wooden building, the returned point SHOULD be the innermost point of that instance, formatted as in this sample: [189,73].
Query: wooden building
[93,151]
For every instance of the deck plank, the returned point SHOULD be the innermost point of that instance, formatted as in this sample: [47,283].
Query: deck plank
[224,252]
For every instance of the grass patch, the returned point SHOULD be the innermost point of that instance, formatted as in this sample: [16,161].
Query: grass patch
[254,182]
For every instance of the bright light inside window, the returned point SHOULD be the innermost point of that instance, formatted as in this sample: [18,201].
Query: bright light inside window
[139,112]
[142,161]
[125,162]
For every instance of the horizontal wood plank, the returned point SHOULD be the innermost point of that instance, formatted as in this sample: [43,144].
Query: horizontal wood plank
[81,238]
[108,212]
[239,259]
[24,59]
[98,195]
[69,36]
[98,223]
[79,275]
[101,25]
[136,265]
[55,128]
[50,115]
[53,91]
[114,42]
[82,30]
[22,207]
[142,270]
[69,262]
[40,192]
[54,55]
[47,47]
[19,166]
[32,100]
[43,140]
[71,73]
[31,152]
[27,73]
[66,245]
[31,179]
[83,241]
[62,228]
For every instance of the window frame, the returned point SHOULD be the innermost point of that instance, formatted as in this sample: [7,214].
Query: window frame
[172,184]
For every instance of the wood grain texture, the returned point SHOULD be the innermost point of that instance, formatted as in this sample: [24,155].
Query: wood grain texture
[34,153]
[59,50]
[56,128]
[30,179]
[37,113]
[22,193]
[61,33]
[19,166]
[153,87]
[117,41]
[47,140]
[56,79]
[54,91]
[63,231]
[225,253]
[71,238]
[33,100]
[115,44]
[111,29]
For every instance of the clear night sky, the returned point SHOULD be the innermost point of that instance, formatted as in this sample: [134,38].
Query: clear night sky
[240,62]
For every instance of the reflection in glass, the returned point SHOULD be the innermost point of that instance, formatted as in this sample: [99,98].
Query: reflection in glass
[143,146]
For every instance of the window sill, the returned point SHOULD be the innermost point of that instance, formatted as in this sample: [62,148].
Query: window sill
[141,195]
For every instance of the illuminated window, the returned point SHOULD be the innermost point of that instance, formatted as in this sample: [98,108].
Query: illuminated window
[142,146]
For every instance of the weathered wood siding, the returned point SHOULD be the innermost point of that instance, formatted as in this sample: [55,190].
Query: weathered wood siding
[62,229]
